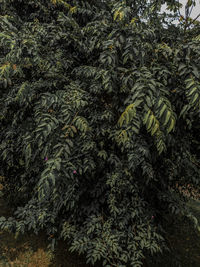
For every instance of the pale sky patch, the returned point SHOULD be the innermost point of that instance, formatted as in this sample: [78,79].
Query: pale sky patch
[195,11]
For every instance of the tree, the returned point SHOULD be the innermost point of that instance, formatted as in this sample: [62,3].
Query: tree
[100,120]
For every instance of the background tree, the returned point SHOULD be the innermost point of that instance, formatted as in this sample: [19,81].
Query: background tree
[99,121]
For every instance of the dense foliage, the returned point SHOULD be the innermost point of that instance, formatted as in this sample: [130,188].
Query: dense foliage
[99,121]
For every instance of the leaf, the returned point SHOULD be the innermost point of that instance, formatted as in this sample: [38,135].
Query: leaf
[196,96]
[155,128]
[181,66]
[146,116]
[164,107]
[27,155]
[102,154]
[171,127]
[127,115]
[150,122]
[194,89]
[57,163]
[189,83]
[167,117]
[184,111]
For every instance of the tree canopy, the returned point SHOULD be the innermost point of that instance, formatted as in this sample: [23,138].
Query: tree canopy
[99,121]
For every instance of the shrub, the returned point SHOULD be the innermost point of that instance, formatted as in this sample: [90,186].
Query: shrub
[99,121]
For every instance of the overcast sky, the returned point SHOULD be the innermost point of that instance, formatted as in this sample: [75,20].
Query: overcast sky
[195,11]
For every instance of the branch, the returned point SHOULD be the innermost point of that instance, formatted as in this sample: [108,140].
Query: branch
[179,9]
[187,15]
[190,11]
[194,20]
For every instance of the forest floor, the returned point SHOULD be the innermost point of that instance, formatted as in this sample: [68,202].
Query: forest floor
[31,250]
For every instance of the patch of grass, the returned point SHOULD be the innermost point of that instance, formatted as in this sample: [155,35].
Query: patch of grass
[30,250]
[25,251]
